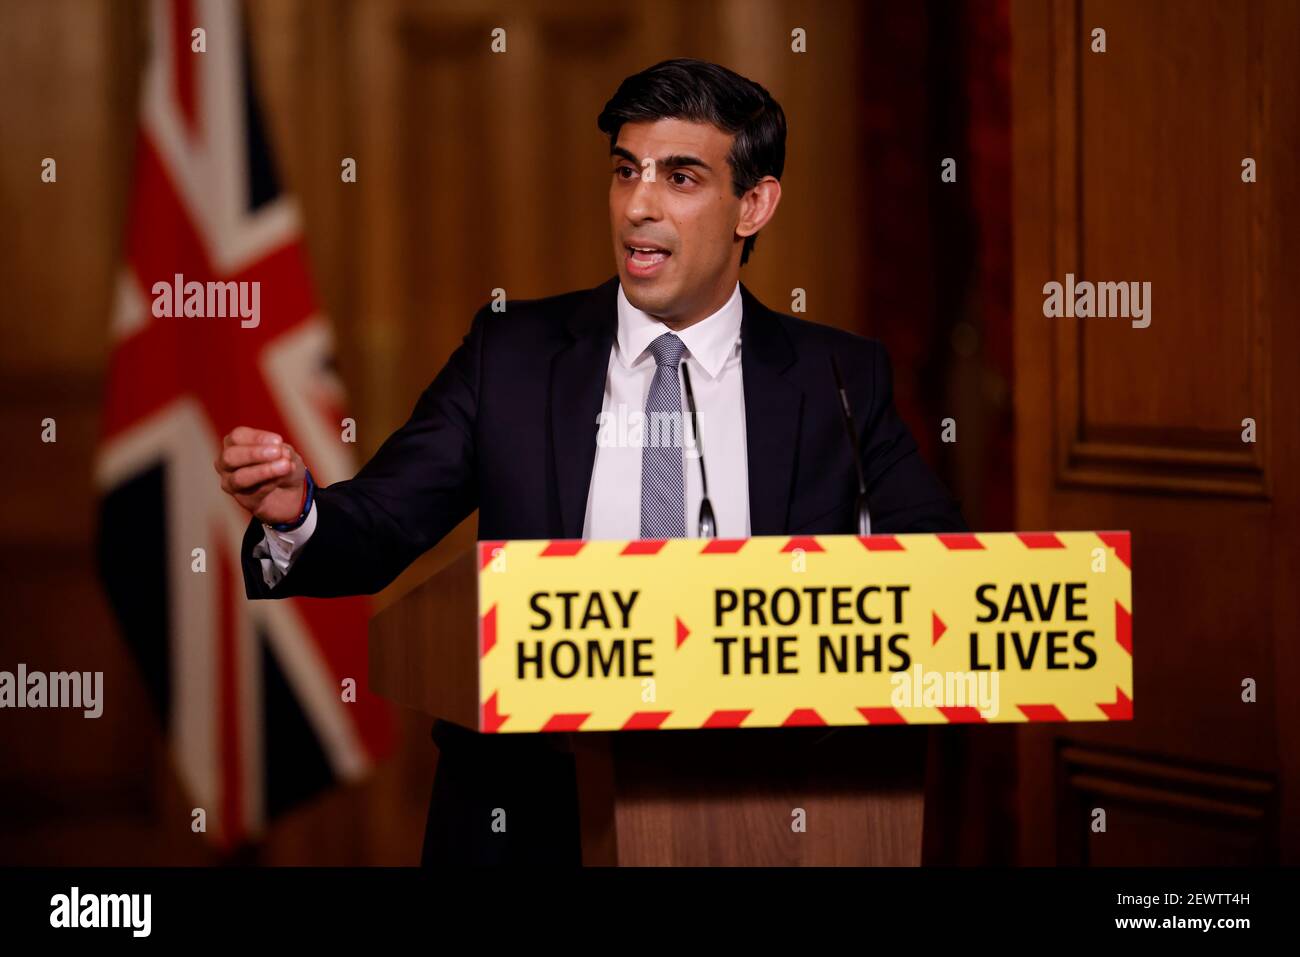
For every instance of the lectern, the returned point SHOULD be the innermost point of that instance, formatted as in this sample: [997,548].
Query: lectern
[761,701]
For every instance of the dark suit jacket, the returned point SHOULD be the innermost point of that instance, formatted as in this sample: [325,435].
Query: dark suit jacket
[509,427]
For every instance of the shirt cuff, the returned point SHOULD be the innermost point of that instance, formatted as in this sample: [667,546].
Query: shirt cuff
[277,550]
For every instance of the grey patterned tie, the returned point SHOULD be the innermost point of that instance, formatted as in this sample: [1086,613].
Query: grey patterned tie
[663,483]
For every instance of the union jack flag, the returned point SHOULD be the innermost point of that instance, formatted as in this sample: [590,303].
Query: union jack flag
[251,693]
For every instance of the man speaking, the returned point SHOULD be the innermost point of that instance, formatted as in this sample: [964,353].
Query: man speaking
[512,426]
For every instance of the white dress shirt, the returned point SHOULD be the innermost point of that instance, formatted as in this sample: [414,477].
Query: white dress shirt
[614,495]
[713,355]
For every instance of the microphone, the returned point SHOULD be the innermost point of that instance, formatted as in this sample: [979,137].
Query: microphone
[851,434]
[708,524]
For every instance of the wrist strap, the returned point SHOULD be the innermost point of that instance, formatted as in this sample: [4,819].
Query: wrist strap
[308,496]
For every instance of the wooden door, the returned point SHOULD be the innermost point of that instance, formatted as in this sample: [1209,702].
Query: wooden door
[1128,166]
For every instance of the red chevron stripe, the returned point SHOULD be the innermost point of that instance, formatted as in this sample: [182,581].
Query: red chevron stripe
[882,716]
[489,718]
[645,720]
[723,546]
[726,719]
[1121,709]
[960,541]
[803,718]
[488,632]
[1120,542]
[562,549]
[565,722]
[485,550]
[881,543]
[644,546]
[808,543]
[1040,540]
[1123,628]
[1042,712]
[939,628]
[963,715]
[682,632]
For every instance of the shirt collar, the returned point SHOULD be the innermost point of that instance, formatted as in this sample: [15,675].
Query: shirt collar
[710,340]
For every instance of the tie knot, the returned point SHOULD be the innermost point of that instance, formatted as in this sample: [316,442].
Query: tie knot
[667,350]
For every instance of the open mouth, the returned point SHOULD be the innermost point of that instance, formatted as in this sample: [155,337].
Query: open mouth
[645,259]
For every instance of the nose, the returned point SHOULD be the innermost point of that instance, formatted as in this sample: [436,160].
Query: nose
[643,205]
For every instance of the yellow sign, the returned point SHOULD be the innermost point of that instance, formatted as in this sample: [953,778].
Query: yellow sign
[780,631]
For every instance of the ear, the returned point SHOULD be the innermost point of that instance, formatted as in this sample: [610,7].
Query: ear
[758,206]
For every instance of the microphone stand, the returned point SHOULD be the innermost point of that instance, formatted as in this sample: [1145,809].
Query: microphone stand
[708,527]
[851,433]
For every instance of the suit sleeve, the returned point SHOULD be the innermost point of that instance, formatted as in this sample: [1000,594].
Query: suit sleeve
[903,493]
[418,486]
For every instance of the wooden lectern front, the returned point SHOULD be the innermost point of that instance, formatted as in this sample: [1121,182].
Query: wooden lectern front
[737,796]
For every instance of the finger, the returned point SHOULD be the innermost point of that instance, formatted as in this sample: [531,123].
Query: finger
[237,456]
[243,435]
[245,479]
[255,494]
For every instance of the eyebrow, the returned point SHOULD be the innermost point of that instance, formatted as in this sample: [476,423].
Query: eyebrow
[668,162]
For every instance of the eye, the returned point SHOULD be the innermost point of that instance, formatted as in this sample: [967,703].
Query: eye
[623,169]
[680,179]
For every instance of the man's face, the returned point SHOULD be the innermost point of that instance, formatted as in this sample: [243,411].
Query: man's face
[673,217]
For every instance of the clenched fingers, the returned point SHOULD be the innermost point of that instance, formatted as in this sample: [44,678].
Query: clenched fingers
[237,456]
[243,435]
[250,476]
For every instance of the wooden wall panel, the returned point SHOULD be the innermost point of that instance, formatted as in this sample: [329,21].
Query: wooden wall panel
[1160,407]
[1128,167]
[1162,813]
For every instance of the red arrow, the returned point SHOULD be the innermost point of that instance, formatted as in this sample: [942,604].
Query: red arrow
[490,720]
[939,628]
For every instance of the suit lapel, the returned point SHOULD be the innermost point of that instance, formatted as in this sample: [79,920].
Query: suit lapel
[773,407]
[578,373]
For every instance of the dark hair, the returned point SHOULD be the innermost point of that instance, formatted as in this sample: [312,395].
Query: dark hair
[704,92]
